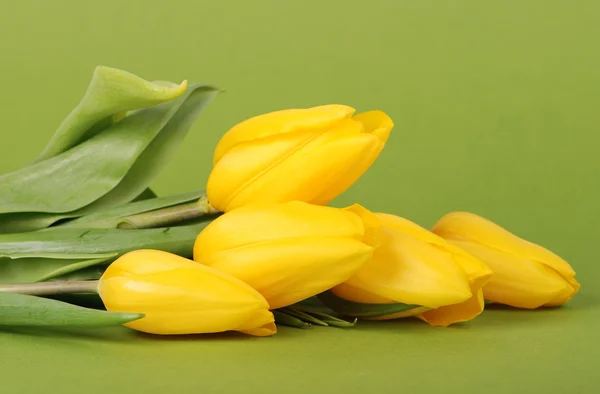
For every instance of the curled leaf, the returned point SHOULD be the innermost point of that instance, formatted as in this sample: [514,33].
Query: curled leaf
[89,171]
[110,94]
[108,170]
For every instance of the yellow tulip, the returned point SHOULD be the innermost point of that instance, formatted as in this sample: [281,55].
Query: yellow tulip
[415,267]
[180,296]
[288,251]
[525,275]
[309,155]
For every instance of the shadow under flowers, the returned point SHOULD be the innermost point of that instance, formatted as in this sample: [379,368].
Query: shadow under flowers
[228,336]
[104,334]
[493,317]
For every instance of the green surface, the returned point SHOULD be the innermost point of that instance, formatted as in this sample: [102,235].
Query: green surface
[496,112]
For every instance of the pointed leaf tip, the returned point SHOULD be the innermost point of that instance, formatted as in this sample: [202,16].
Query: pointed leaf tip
[29,311]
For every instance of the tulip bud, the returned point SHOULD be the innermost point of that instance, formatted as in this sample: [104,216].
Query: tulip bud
[309,155]
[525,275]
[413,266]
[287,251]
[180,296]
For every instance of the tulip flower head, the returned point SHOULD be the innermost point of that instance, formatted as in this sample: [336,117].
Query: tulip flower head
[180,296]
[309,155]
[288,251]
[526,275]
[413,266]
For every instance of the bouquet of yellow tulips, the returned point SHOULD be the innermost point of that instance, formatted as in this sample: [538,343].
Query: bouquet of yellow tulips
[260,247]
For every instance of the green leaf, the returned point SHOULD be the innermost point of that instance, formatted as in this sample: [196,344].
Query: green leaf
[25,310]
[111,92]
[334,321]
[324,314]
[21,222]
[313,304]
[63,241]
[284,319]
[88,300]
[315,312]
[38,269]
[57,255]
[146,195]
[305,317]
[111,218]
[110,169]
[72,267]
[89,273]
[153,159]
[361,310]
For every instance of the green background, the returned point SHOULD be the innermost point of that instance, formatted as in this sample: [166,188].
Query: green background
[496,112]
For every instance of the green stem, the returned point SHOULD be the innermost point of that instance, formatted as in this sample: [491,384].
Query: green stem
[169,216]
[48,288]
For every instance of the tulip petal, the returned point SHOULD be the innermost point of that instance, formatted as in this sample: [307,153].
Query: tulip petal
[359,295]
[307,166]
[517,281]
[475,269]
[410,271]
[411,261]
[171,310]
[263,331]
[478,275]
[145,261]
[344,161]
[566,295]
[251,160]
[282,122]
[371,224]
[257,224]
[508,252]
[189,298]
[286,271]
[377,123]
[468,226]
[447,315]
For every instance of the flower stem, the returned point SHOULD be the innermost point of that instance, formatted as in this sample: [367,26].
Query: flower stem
[48,288]
[169,216]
